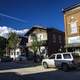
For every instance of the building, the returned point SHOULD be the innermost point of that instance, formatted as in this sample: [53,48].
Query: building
[20,49]
[72,27]
[55,40]
[52,40]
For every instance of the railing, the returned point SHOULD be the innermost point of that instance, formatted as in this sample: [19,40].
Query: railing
[44,42]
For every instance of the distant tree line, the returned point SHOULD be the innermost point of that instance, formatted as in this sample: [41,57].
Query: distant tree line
[2,46]
[11,43]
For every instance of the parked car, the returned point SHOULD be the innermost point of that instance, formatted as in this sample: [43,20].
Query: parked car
[6,59]
[62,60]
[21,58]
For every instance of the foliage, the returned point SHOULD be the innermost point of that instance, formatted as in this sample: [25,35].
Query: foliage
[2,43]
[2,46]
[35,43]
[2,52]
[35,47]
[13,40]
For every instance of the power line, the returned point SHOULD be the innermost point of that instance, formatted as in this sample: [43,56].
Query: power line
[14,18]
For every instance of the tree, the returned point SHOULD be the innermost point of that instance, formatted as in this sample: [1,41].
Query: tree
[13,41]
[35,46]
[2,46]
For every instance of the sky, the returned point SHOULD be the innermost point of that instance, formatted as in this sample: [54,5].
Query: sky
[27,13]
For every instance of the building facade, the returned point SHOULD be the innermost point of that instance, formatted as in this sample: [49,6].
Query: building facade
[41,35]
[55,40]
[72,27]
[52,40]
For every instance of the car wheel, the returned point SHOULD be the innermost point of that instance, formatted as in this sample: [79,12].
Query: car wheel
[65,67]
[45,65]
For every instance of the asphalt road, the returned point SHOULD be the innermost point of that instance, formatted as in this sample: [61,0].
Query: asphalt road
[30,71]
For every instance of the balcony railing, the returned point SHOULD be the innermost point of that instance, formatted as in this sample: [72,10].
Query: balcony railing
[44,42]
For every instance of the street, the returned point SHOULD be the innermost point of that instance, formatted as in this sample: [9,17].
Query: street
[30,71]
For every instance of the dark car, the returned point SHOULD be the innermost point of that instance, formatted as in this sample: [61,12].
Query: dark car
[6,59]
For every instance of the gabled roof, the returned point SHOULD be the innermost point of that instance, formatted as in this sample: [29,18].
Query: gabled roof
[35,27]
[71,7]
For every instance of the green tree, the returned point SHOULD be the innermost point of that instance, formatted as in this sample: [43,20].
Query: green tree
[2,46]
[35,46]
[13,41]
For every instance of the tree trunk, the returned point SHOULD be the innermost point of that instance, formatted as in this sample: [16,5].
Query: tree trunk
[35,57]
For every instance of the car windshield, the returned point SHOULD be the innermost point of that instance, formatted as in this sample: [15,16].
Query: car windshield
[66,56]
[52,57]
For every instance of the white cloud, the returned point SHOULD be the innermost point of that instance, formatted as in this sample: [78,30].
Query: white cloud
[4,31]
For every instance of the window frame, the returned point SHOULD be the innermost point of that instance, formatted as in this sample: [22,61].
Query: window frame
[67,57]
[58,55]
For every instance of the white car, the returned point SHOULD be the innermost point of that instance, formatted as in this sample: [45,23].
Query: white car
[62,60]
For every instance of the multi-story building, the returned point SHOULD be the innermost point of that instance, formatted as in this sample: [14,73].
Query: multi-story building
[55,40]
[52,40]
[72,27]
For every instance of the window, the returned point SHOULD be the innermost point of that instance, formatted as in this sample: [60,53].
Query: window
[12,53]
[54,38]
[40,36]
[52,57]
[66,56]
[59,56]
[17,53]
[60,39]
[74,27]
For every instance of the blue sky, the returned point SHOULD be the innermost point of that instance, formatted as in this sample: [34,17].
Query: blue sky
[34,12]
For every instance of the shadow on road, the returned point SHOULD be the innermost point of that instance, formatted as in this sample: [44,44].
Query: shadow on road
[10,76]
[51,75]
[17,65]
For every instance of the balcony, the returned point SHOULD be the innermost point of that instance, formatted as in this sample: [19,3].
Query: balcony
[44,43]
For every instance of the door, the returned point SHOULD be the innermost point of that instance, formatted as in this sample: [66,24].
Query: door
[58,60]
[51,61]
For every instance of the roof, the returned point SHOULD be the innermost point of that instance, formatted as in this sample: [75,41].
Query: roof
[55,29]
[71,7]
[41,27]
[35,27]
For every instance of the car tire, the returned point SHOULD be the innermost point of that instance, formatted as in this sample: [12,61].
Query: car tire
[65,67]
[45,65]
